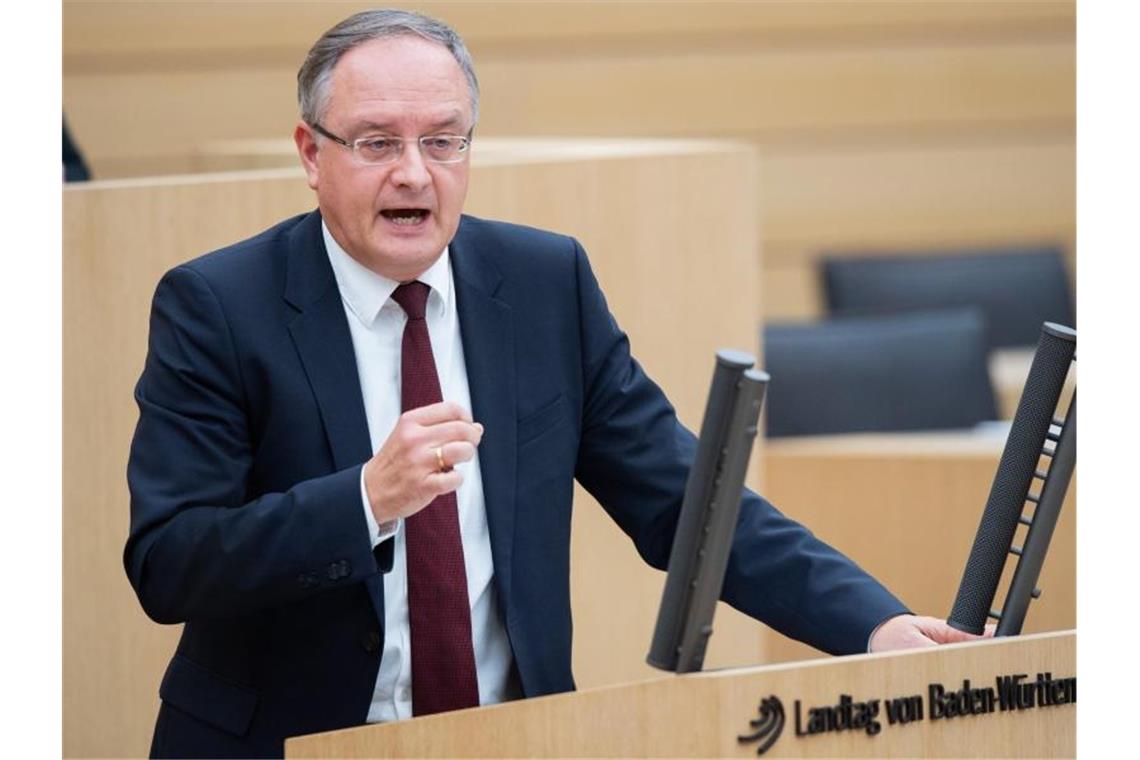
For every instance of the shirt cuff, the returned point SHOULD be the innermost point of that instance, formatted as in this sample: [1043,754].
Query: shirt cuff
[376,531]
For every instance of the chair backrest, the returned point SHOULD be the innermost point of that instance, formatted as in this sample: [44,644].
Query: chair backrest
[915,371]
[1018,289]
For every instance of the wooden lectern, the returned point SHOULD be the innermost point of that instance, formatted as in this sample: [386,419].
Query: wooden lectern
[1011,697]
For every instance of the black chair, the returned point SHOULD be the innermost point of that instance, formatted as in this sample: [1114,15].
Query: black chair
[74,167]
[1018,289]
[917,371]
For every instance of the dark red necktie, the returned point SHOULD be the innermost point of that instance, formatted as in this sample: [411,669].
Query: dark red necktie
[443,657]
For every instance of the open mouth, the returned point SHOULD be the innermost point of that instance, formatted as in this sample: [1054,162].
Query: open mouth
[405,217]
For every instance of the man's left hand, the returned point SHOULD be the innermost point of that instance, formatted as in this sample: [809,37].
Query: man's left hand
[911,631]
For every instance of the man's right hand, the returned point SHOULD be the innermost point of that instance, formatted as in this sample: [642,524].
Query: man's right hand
[404,475]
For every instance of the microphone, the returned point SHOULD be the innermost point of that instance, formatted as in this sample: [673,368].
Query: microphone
[1034,434]
[709,510]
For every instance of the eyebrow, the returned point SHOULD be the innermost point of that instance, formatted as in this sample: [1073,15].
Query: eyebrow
[451,122]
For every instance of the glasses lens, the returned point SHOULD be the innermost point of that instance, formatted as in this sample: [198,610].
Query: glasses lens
[440,149]
[443,148]
[377,150]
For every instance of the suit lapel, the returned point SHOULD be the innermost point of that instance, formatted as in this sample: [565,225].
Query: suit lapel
[324,343]
[487,328]
[320,333]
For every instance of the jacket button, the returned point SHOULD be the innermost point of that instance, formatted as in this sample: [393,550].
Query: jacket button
[339,569]
[370,641]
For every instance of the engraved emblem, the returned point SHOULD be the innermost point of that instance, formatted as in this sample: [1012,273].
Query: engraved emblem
[767,727]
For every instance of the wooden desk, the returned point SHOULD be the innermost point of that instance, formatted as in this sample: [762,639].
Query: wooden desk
[703,714]
[906,507]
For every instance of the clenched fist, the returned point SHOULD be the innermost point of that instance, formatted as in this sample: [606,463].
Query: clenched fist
[405,474]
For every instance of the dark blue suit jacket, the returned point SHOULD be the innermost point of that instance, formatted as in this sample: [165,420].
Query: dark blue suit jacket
[246,521]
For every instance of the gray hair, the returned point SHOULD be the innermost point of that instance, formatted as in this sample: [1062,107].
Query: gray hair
[314,74]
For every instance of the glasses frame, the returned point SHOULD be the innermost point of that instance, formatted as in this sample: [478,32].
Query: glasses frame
[352,146]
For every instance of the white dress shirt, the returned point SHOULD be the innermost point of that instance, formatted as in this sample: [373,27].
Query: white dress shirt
[377,326]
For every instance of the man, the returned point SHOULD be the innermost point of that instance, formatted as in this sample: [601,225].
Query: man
[312,490]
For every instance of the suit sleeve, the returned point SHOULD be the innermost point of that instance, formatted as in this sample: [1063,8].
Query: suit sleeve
[200,545]
[634,457]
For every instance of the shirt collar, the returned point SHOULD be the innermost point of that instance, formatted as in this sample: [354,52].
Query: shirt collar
[366,292]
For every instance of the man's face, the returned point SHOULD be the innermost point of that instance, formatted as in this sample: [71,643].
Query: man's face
[393,218]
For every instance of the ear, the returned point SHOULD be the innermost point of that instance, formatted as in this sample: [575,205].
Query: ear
[307,149]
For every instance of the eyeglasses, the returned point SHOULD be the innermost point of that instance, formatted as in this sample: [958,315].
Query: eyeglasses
[384,149]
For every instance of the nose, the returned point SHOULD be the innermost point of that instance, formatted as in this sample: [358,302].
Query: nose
[410,170]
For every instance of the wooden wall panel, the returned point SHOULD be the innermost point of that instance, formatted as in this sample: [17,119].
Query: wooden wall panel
[144,84]
[818,93]
[99,34]
[881,124]
[119,237]
[906,507]
[854,198]
[829,96]
[894,198]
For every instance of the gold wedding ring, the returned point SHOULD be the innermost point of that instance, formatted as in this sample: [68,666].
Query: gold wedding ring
[439,459]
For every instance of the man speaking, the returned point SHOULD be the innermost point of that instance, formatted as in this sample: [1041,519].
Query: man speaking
[358,433]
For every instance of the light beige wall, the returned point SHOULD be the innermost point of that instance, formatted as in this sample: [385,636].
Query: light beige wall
[108,33]
[662,249]
[146,83]
[138,121]
[881,124]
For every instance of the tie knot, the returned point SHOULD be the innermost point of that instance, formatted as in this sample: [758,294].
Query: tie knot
[412,297]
